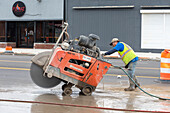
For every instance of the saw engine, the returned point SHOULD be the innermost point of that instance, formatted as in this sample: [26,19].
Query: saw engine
[75,62]
[83,45]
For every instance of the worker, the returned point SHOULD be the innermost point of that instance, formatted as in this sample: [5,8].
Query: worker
[128,57]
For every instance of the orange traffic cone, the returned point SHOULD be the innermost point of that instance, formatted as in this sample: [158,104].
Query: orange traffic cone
[165,65]
[8,49]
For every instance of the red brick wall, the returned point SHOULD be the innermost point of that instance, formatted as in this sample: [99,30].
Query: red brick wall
[36,45]
[43,45]
[4,44]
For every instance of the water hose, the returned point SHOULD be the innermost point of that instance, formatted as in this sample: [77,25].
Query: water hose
[138,85]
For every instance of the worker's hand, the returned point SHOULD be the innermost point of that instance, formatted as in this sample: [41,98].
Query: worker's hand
[102,54]
[126,66]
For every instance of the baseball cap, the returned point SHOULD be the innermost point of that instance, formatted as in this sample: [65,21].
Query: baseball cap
[114,40]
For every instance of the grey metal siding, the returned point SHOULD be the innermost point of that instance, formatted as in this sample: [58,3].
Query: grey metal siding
[104,25]
[124,23]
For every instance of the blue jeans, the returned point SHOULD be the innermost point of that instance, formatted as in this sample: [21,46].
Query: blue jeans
[131,72]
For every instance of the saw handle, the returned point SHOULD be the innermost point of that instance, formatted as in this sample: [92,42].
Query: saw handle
[65,25]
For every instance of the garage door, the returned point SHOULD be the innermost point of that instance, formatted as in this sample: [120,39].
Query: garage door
[155,32]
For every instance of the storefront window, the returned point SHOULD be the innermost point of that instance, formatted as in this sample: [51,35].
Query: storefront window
[48,31]
[22,32]
[39,32]
[2,31]
[11,32]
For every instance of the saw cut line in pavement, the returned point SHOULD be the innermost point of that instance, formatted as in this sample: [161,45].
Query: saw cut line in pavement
[80,106]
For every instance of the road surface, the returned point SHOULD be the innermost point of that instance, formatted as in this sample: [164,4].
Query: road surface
[16,84]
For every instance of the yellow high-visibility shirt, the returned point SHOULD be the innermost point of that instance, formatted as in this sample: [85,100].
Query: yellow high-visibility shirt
[127,54]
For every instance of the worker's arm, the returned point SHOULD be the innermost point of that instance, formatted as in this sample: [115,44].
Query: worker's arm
[118,47]
[110,51]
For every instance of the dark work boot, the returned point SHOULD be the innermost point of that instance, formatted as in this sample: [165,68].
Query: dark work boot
[130,88]
[136,83]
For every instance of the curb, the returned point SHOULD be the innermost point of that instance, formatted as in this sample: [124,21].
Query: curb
[21,54]
[162,81]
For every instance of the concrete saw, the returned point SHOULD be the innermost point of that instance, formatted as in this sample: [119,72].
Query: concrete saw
[76,62]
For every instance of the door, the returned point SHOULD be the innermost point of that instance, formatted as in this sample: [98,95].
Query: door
[25,33]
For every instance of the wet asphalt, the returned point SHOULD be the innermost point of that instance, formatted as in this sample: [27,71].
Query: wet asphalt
[16,84]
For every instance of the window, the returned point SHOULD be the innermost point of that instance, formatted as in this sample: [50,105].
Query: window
[11,31]
[48,31]
[155,29]
[2,31]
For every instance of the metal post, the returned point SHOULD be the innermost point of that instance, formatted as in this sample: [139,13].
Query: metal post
[65,10]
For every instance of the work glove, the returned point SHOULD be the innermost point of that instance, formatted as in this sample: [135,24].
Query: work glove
[126,66]
[103,54]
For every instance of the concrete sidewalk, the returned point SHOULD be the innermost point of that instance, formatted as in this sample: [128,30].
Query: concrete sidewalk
[32,52]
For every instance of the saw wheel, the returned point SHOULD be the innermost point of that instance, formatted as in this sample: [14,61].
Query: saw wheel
[36,72]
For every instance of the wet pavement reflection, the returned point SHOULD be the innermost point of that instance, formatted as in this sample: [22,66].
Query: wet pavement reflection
[111,96]
[79,100]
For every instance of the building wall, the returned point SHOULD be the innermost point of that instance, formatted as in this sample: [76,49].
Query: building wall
[38,24]
[35,10]
[124,23]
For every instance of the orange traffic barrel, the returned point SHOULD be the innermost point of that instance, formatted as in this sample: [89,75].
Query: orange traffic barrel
[8,49]
[165,65]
